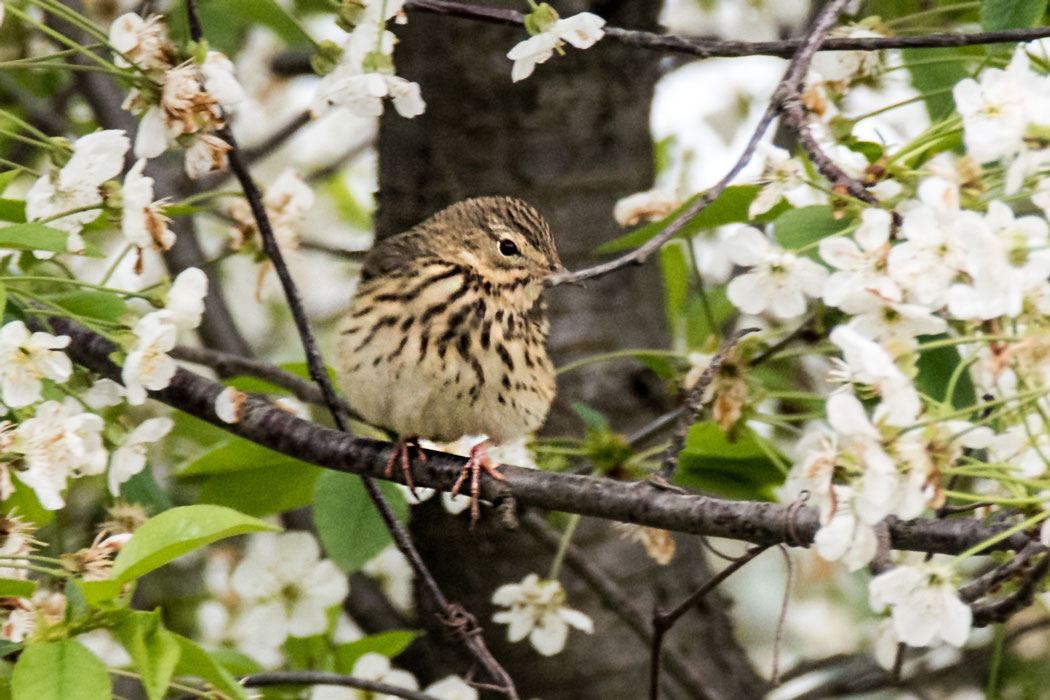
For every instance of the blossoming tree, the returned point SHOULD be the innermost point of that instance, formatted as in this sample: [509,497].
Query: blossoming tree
[855,368]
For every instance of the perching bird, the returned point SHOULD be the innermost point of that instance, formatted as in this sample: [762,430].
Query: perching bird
[446,334]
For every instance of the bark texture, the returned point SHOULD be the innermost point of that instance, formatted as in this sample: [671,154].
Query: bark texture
[571,140]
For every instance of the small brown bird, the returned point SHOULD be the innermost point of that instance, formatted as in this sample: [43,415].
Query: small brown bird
[446,333]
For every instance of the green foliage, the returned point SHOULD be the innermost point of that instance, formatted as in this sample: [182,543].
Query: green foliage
[194,661]
[176,532]
[803,228]
[347,522]
[389,644]
[242,475]
[936,367]
[227,21]
[37,236]
[16,588]
[997,15]
[93,304]
[59,670]
[606,450]
[154,650]
[735,466]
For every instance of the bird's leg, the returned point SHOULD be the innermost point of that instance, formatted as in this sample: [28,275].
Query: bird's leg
[479,460]
[401,453]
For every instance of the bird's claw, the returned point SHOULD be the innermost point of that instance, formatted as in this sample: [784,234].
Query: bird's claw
[477,462]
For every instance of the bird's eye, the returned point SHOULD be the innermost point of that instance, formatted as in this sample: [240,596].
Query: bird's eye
[507,247]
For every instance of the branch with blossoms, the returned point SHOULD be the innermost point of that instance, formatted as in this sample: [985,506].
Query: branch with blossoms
[934,262]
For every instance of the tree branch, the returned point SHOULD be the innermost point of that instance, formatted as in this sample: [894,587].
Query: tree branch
[749,521]
[721,48]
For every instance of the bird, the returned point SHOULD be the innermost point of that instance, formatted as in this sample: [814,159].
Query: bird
[446,332]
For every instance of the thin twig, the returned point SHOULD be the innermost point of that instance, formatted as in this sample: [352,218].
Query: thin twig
[788,86]
[272,142]
[453,614]
[720,48]
[664,621]
[789,575]
[229,365]
[694,404]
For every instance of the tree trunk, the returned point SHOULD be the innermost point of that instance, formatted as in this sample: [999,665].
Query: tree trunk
[571,139]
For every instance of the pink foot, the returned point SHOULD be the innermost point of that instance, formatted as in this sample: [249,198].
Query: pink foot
[478,461]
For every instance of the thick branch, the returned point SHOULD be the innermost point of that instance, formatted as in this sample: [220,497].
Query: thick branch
[755,522]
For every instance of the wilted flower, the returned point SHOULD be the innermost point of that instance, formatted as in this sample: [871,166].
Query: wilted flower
[143,222]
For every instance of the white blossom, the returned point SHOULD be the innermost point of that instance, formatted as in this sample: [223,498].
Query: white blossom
[782,175]
[537,610]
[846,537]
[103,393]
[924,604]
[849,65]
[997,108]
[582,31]
[219,80]
[130,458]
[148,366]
[228,405]
[97,157]
[285,572]
[391,570]
[778,281]
[866,362]
[186,299]
[60,442]
[861,264]
[451,688]
[25,359]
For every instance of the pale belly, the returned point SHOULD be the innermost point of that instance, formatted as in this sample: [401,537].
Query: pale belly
[394,383]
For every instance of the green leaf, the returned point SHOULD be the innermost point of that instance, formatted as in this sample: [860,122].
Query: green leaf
[227,21]
[348,524]
[154,650]
[194,661]
[740,468]
[6,647]
[730,208]
[59,671]
[177,531]
[932,78]
[592,419]
[389,644]
[102,594]
[235,662]
[7,177]
[676,273]
[23,502]
[236,455]
[798,228]
[16,588]
[91,303]
[997,15]
[13,210]
[271,489]
[36,236]
[935,369]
